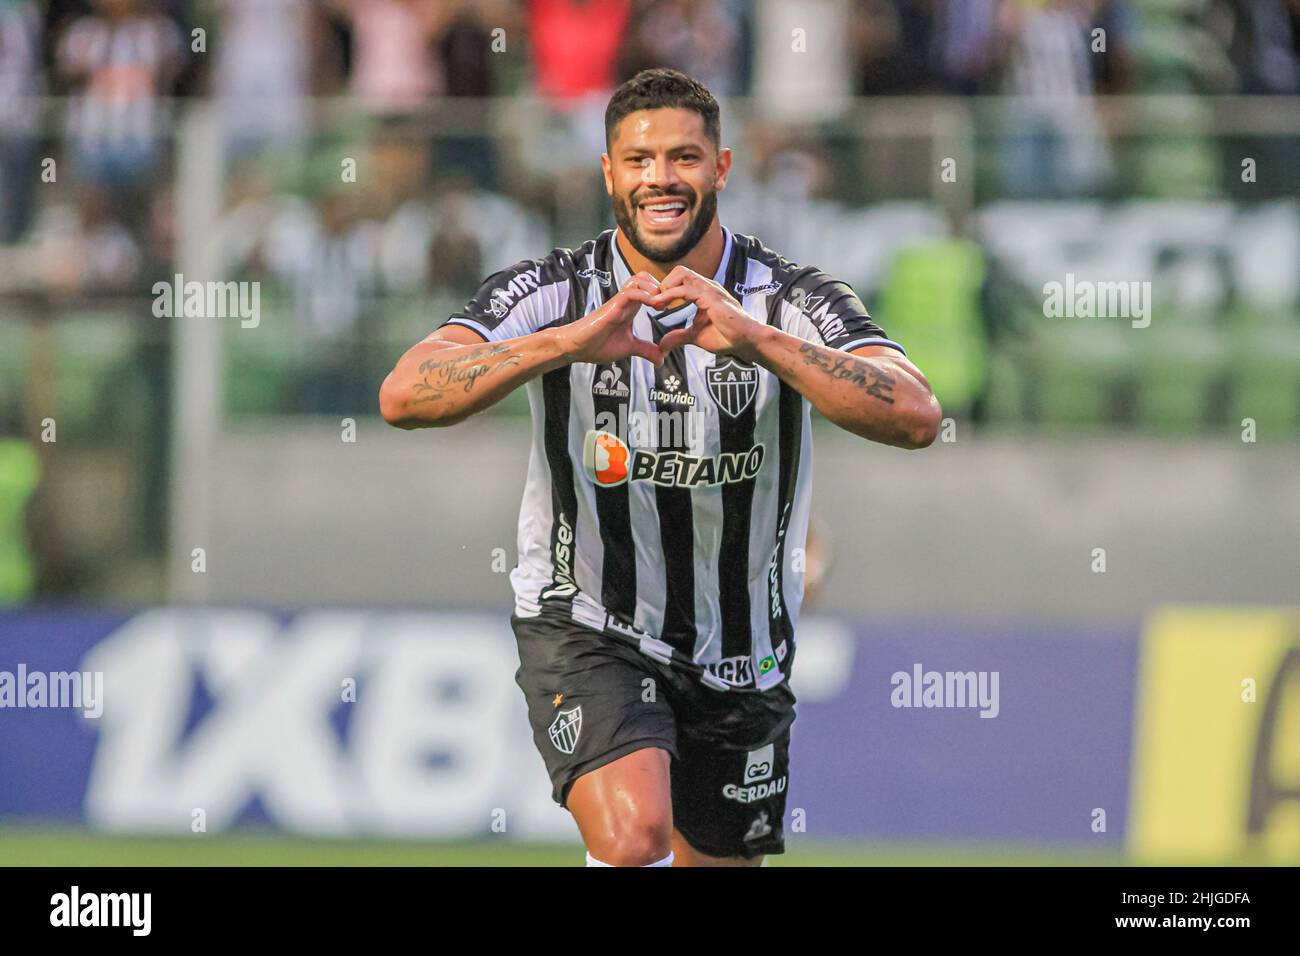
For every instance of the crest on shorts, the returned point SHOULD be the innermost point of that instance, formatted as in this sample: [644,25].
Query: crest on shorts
[759,828]
[732,385]
[565,728]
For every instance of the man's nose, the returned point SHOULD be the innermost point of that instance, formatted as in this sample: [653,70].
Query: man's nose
[658,171]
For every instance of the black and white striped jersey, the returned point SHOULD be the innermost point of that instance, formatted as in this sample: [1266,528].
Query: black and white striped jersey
[669,506]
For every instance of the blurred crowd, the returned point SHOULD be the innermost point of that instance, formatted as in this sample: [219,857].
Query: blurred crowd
[94,88]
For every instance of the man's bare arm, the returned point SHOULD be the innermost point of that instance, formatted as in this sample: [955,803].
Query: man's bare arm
[455,373]
[872,391]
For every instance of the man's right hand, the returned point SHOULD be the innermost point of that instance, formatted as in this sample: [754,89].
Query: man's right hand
[606,335]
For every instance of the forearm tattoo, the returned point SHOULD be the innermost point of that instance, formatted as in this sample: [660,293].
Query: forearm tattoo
[437,376]
[876,382]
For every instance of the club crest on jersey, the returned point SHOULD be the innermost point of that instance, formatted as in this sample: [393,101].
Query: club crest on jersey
[732,385]
[565,728]
[600,275]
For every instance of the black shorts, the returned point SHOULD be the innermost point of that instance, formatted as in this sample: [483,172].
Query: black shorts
[593,698]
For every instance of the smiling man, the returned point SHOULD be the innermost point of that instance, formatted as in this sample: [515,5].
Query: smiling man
[670,366]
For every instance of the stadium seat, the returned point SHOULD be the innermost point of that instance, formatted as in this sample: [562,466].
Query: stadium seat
[1178,366]
[1084,369]
[1266,377]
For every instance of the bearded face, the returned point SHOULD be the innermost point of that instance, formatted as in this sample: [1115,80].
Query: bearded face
[663,173]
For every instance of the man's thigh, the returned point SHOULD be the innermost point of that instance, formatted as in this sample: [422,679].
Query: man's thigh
[588,700]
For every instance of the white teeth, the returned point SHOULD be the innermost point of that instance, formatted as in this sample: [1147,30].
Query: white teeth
[667,207]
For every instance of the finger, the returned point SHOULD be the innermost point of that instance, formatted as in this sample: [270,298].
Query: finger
[665,297]
[677,338]
[642,280]
[640,296]
[648,350]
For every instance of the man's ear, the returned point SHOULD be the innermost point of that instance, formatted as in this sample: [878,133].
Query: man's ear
[607,167]
[724,168]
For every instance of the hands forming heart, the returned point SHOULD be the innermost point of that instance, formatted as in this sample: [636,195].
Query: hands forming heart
[721,326]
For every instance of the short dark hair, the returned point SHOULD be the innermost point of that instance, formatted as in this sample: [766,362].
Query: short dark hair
[662,88]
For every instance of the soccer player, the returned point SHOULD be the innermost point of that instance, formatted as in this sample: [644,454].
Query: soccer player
[670,367]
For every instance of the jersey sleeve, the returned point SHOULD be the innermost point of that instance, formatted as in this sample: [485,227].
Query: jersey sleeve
[520,300]
[824,310]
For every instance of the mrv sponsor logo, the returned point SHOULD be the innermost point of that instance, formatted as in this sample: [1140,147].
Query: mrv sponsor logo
[72,690]
[922,688]
[76,908]
[758,783]
[522,284]
[609,462]
[819,313]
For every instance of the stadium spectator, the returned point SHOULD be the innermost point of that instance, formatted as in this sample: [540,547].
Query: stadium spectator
[575,45]
[1261,39]
[118,62]
[263,70]
[702,38]
[396,66]
[83,247]
[964,44]
[890,41]
[20,82]
[1055,144]
[1115,68]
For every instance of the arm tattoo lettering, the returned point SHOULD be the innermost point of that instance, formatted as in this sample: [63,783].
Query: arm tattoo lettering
[438,375]
[876,382]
